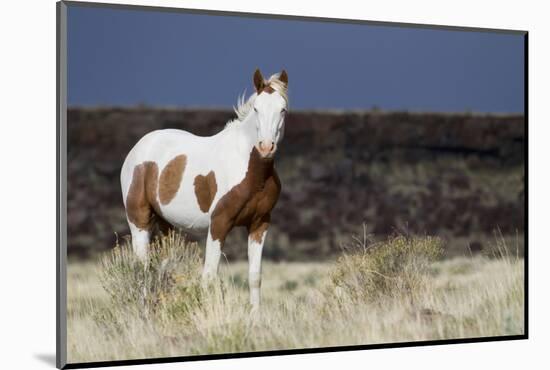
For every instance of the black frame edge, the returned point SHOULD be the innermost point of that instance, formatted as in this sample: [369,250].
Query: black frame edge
[223,356]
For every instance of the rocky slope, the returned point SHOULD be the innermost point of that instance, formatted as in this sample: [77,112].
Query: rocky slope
[460,176]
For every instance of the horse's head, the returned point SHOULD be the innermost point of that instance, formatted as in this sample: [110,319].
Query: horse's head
[270,107]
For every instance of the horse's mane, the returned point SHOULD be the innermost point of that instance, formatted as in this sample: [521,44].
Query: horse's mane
[243,107]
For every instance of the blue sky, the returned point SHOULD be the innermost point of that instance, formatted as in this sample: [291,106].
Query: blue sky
[122,57]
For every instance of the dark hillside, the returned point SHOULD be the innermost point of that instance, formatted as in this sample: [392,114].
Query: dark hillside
[460,176]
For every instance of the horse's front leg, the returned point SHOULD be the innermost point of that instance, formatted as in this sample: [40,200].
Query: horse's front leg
[256,239]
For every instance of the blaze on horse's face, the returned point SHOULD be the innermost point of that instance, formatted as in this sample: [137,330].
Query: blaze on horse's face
[270,109]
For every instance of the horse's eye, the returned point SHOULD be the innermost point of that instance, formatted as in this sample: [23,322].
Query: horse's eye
[255,110]
[283,110]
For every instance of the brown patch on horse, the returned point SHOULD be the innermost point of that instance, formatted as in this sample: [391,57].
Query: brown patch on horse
[250,202]
[205,190]
[267,89]
[151,185]
[170,178]
[256,231]
[141,199]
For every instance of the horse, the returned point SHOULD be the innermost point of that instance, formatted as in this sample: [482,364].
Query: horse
[208,185]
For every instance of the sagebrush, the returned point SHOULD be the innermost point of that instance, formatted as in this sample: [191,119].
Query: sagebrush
[169,277]
[395,268]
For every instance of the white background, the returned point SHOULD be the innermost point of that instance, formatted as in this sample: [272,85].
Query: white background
[27,182]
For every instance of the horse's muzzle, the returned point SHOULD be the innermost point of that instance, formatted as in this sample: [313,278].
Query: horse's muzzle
[266,148]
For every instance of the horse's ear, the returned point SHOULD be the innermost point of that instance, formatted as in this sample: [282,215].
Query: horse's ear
[258,80]
[283,77]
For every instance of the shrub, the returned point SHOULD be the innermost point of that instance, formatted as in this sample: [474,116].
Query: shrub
[171,272]
[397,267]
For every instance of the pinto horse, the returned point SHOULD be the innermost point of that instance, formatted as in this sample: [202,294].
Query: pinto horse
[209,185]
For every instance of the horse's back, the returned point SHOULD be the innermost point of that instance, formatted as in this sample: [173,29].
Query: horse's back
[156,144]
[160,147]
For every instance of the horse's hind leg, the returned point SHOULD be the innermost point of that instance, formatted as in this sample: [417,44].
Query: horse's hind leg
[139,212]
[211,257]
[140,240]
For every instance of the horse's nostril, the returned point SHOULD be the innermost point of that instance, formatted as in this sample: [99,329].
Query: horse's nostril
[266,148]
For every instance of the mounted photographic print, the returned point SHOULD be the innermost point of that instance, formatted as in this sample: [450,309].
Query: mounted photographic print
[237,185]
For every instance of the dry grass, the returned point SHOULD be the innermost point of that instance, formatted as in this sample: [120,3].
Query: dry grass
[118,309]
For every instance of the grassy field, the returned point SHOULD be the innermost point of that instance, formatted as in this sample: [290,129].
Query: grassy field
[393,291]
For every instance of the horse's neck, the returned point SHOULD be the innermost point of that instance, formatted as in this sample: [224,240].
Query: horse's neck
[259,170]
[241,136]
